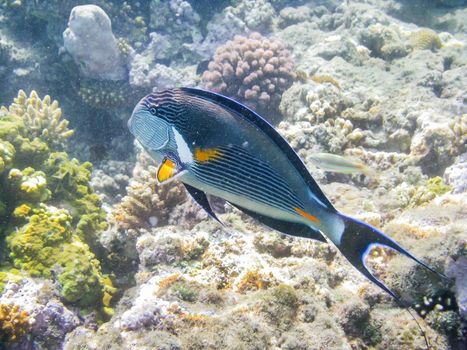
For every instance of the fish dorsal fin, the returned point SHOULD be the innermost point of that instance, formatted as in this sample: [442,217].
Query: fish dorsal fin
[254,118]
[287,227]
[200,198]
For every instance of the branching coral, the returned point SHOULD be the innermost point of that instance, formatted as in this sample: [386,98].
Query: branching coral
[415,196]
[14,323]
[255,70]
[147,203]
[41,118]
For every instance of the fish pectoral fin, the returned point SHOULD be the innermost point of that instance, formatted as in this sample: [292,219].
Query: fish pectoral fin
[169,169]
[201,198]
[286,227]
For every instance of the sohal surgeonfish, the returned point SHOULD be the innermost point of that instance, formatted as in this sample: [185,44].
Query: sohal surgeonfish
[215,145]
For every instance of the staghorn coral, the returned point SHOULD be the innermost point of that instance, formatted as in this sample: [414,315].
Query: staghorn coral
[255,70]
[41,118]
[14,323]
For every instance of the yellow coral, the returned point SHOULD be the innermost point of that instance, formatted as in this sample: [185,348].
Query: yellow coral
[425,39]
[459,127]
[42,118]
[321,79]
[169,281]
[22,211]
[14,323]
[254,280]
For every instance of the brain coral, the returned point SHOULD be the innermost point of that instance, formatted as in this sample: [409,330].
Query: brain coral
[254,70]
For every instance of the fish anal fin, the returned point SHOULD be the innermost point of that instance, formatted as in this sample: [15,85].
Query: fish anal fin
[286,227]
[202,200]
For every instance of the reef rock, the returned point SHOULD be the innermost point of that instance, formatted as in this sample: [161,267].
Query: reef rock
[89,39]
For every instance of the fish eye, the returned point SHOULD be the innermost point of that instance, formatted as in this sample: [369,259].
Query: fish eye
[153,110]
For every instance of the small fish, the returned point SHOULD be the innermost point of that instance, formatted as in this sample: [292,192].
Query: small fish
[215,145]
[339,164]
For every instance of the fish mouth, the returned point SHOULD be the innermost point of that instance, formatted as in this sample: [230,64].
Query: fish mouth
[136,110]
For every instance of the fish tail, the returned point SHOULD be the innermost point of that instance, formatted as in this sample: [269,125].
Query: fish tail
[356,241]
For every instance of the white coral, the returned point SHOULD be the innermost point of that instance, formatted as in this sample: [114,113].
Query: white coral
[91,43]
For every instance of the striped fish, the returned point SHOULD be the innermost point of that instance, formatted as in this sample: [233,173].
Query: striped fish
[215,145]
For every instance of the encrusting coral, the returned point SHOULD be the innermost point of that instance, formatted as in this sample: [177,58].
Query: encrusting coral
[50,217]
[255,70]
[14,323]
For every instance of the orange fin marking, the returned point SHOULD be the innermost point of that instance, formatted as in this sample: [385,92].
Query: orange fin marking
[205,155]
[306,215]
[166,170]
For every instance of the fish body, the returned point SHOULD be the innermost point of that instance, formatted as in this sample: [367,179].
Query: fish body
[215,145]
[339,164]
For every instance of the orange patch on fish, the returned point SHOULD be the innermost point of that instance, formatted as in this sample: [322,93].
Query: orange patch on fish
[166,170]
[306,215]
[205,155]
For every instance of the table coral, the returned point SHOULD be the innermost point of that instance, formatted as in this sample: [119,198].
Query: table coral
[255,70]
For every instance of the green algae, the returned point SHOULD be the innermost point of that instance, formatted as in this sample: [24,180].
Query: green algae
[280,304]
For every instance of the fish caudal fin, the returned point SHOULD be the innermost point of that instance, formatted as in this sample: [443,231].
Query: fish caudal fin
[356,242]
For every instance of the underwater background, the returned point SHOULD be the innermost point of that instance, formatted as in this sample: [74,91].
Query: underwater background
[95,254]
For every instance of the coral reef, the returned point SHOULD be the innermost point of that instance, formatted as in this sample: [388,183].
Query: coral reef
[50,215]
[147,202]
[14,323]
[49,320]
[40,118]
[456,175]
[378,81]
[257,15]
[107,94]
[255,70]
[425,39]
[99,57]
[177,26]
